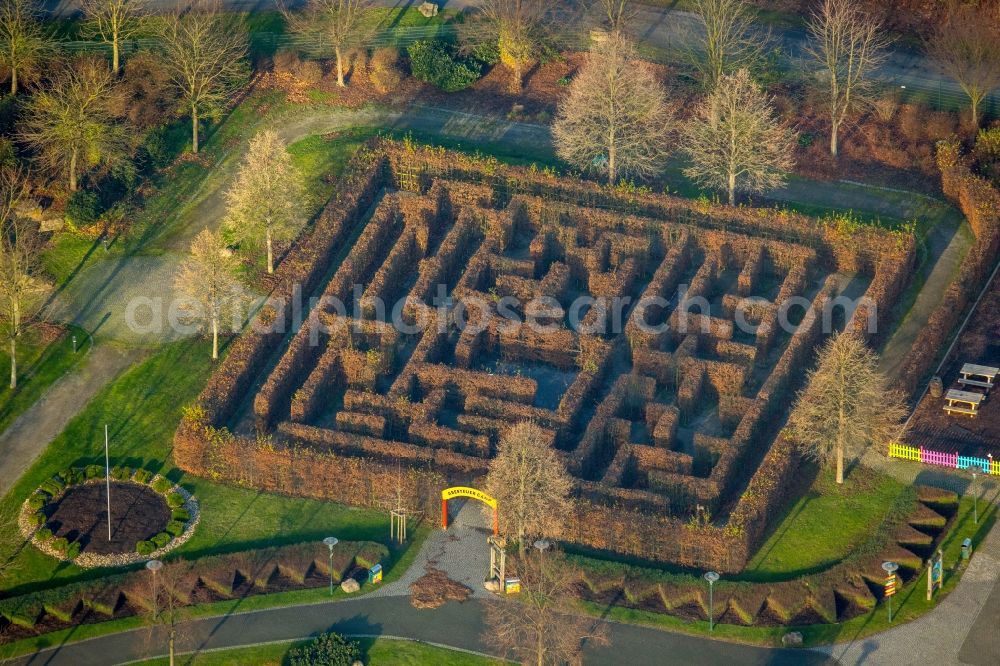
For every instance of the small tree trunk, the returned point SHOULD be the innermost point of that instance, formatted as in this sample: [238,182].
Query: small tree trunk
[194,129]
[516,77]
[732,188]
[340,67]
[612,163]
[540,648]
[170,643]
[975,113]
[834,131]
[13,81]
[840,460]
[13,363]
[215,338]
[270,253]
[72,171]
[114,55]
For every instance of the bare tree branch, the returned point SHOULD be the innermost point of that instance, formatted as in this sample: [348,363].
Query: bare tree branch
[538,627]
[848,44]
[23,42]
[205,53]
[616,117]
[339,24]
[847,404]
[72,122]
[113,22]
[266,202]
[735,141]
[207,279]
[966,47]
[529,481]
[730,40]
[22,286]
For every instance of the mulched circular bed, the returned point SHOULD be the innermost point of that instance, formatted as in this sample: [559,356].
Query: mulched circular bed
[81,514]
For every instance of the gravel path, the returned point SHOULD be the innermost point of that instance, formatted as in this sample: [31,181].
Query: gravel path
[28,436]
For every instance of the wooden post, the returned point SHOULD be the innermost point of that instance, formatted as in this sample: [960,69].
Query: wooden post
[930,577]
[496,523]
[444,514]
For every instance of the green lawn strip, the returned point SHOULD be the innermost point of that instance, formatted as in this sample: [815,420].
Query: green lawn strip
[400,559]
[374,652]
[824,525]
[142,408]
[68,253]
[39,364]
[908,604]
[321,159]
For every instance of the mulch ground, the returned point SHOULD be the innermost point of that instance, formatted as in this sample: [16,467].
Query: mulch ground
[931,427]
[137,513]
[435,589]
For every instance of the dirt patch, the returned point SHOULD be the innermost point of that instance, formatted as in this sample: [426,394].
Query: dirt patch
[435,589]
[931,427]
[138,513]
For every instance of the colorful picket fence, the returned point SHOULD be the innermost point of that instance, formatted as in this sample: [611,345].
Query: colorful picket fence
[953,460]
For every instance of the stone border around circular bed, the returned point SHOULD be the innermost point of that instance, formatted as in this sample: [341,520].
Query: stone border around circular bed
[29,530]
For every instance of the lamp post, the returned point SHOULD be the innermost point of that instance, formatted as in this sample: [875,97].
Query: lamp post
[890,570]
[711,577]
[975,499]
[154,566]
[330,542]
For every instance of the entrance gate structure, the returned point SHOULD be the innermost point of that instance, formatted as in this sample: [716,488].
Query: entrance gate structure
[464,491]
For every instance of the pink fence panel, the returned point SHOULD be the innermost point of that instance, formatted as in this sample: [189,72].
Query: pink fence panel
[938,458]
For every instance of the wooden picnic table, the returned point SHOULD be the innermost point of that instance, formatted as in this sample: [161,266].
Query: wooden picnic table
[982,376]
[956,399]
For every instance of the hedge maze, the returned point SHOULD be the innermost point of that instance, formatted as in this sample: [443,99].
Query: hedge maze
[667,429]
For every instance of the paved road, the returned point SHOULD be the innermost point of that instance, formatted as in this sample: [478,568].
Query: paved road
[454,624]
[32,431]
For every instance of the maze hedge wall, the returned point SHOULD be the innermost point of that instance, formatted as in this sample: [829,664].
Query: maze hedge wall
[980,203]
[655,425]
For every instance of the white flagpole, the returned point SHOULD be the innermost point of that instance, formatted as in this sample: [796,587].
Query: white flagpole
[107,477]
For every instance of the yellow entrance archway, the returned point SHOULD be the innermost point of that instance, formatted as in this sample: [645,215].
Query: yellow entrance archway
[465,491]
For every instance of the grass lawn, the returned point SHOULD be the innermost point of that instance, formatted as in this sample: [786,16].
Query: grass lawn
[374,652]
[826,524]
[39,364]
[321,159]
[143,408]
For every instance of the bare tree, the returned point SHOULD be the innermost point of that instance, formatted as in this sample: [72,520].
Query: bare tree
[966,47]
[205,51]
[735,141]
[848,44]
[113,22]
[339,24]
[22,287]
[617,15]
[268,197]
[529,481]
[519,25]
[729,40]
[538,627]
[847,404]
[23,42]
[207,279]
[615,118]
[161,593]
[72,122]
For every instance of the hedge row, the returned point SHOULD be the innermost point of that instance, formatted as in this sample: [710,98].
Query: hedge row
[980,203]
[847,590]
[243,574]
